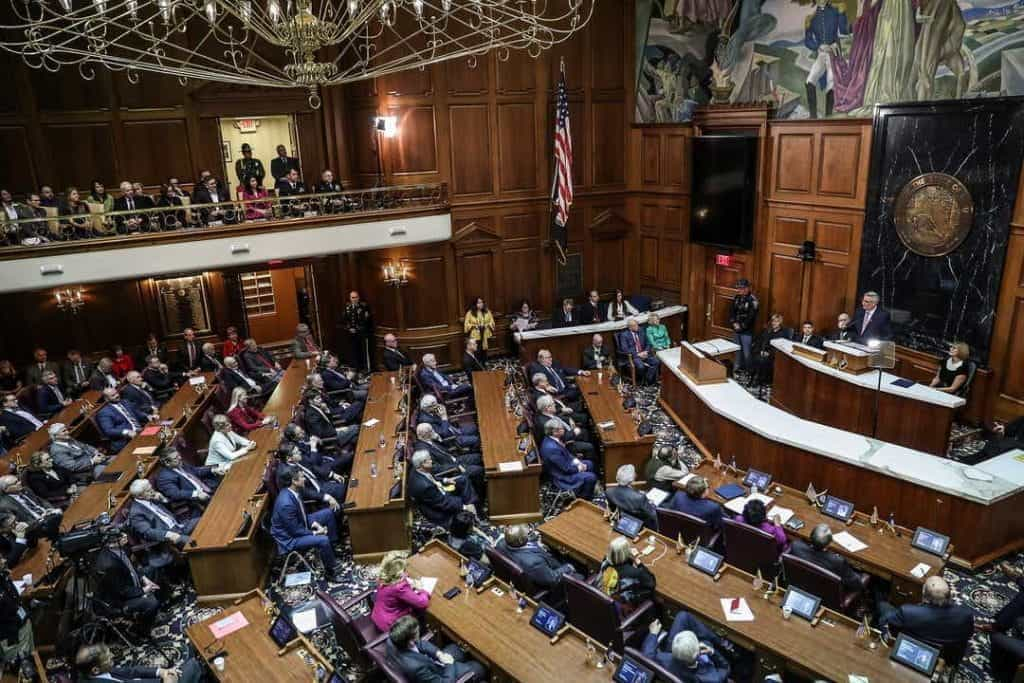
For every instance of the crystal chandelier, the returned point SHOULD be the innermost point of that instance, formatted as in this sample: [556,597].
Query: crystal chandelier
[281,43]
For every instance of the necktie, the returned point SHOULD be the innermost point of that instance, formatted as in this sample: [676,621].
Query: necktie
[556,379]
[310,346]
[310,478]
[78,374]
[24,415]
[131,204]
[168,519]
[56,391]
[867,319]
[131,568]
[252,385]
[195,481]
[191,354]
[636,341]
[128,416]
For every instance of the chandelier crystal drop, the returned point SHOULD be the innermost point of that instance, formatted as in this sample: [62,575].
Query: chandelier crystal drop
[281,43]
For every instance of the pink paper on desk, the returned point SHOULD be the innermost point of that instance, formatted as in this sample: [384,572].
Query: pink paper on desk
[228,625]
[150,431]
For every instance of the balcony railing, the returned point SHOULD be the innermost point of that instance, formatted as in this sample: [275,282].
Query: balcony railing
[54,231]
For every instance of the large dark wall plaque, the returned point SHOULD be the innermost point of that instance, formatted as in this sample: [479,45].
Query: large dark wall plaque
[935,300]
[183,303]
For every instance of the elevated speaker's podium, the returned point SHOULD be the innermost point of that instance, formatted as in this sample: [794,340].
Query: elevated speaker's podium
[848,356]
[699,367]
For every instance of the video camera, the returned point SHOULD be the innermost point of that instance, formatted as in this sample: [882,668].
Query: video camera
[86,537]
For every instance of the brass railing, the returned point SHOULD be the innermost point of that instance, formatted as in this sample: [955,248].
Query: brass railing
[54,228]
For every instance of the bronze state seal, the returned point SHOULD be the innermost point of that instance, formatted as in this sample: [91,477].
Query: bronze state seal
[934,212]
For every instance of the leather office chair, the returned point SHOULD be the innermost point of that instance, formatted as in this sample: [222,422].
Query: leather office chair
[222,397]
[660,673]
[354,632]
[506,569]
[818,581]
[597,615]
[672,523]
[750,549]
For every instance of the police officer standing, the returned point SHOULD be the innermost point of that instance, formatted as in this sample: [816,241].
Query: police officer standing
[248,167]
[359,323]
[742,317]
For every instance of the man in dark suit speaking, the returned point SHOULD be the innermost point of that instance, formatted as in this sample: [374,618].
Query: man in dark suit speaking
[871,321]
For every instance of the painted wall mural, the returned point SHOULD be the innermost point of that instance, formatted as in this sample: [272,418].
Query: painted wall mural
[827,58]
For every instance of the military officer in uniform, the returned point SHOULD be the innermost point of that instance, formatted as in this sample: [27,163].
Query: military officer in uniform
[358,322]
[742,316]
[247,166]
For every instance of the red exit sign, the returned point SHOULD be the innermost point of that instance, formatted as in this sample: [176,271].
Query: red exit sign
[723,260]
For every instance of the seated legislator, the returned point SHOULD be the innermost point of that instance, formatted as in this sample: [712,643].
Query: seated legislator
[816,552]
[568,472]
[433,413]
[438,499]
[181,483]
[34,372]
[628,500]
[665,467]
[620,308]
[754,515]
[232,345]
[330,491]
[43,479]
[953,372]
[937,620]
[259,363]
[693,500]
[50,400]
[843,331]
[314,455]
[244,418]
[234,377]
[764,352]
[160,378]
[151,520]
[153,347]
[596,356]
[577,439]
[633,343]
[80,460]
[472,360]
[397,595]
[808,337]
[592,311]
[542,568]
[320,423]
[75,374]
[96,664]
[337,379]
[557,375]
[17,421]
[42,518]
[295,530]
[392,356]
[103,376]
[657,335]
[438,382]
[136,392]
[13,539]
[304,346]
[347,412]
[623,577]
[471,463]
[566,316]
[420,661]
[871,321]
[123,587]
[689,651]
[208,361]
[226,446]
[119,422]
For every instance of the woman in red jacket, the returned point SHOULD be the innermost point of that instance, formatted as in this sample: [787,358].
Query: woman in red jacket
[397,594]
[244,418]
[122,363]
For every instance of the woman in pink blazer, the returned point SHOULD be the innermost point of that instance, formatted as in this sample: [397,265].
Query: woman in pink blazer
[397,594]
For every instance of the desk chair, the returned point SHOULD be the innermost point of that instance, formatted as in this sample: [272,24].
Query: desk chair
[597,615]
[673,524]
[818,581]
[623,361]
[353,628]
[660,673]
[750,549]
[506,569]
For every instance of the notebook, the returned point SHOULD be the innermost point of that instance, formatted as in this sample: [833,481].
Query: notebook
[730,491]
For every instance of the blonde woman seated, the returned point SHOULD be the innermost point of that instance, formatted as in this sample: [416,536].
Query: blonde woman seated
[226,446]
[397,594]
[623,577]
[244,418]
[952,374]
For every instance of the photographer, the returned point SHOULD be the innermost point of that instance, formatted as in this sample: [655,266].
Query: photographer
[121,586]
[95,664]
[16,640]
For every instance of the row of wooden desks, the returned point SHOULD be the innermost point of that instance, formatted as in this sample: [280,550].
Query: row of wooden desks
[377,518]
[623,445]
[513,485]
[75,416]
[829,649]
[492,630]
[887,556]
[230,556]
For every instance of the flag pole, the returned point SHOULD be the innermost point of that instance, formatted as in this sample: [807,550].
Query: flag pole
[560,257]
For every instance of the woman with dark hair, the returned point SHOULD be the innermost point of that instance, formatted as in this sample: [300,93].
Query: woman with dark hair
[524,318]
[253,190]
[619,308]
[756,515]
[170,220]
[99,195]
[74,212]
[479,325]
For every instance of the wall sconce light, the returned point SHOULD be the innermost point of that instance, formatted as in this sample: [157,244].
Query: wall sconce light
[69,300]
[386,125]
[396,275]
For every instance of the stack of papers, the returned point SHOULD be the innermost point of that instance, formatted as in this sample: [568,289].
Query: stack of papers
[736,612]
[428,583]
[921,570]
[736,504]
[657,496]
[372,421]
[849,542]
[784,514]
[305,621]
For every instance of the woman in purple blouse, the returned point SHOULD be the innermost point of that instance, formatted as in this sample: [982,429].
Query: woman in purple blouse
[755,514]
[397,594]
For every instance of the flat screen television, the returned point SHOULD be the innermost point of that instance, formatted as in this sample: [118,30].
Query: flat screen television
[723,191]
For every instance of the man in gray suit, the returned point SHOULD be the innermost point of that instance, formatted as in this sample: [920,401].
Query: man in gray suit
[82,461]
[34,372]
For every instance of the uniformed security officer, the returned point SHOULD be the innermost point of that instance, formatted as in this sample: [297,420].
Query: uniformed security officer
[359,323]
[247,166]
[742,317]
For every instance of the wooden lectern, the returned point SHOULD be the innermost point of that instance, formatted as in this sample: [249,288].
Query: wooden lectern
[811,352]
[698,367]
[852,358]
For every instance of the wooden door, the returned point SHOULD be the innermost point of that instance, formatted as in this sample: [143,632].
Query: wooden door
[721,288]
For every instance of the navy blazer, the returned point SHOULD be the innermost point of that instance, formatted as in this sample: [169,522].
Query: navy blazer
[880,326]
[537,563]
[395,358]
[178,489]
[148,525]
[558,375]
[633,502]
[559,463]
[112,423]
[439,383]
[437,506]
[288,523]
[710,669]
[131,674]
[443,459]
[702,508]
[319,423]
[625,342]
[143,400]
[422,666]
[17,426]
[47,401]
[334,380]
[949,625]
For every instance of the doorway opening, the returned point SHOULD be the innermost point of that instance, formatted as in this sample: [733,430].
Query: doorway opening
[275,300]
[263,134]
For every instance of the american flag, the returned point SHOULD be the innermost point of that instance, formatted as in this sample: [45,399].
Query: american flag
[561,184]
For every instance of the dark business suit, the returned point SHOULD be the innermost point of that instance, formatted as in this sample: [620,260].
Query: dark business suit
[421,665]
[281,166]
[830,561]
[34,373]
[124,204]
[538,564]
[814,340]
[558,462]
[75,378]
[142,399]
[395,359]
[119,584]
[99,380]
[594,356]
[162,383]
[189,355]
[17,427]
[444,461]
[27,507]
[879,327]
[471,364]
[947,625]
[558,377]
[437,505]
[438,382]
[258,363]
[191,672]
[841,335]
[52,488]
[210,363]
[290,526]
[114,419]
[466,436]
[12,549]
[712,668]
[701,508]
[634,503]
[320,424]
[590,313]
[180,484]
[633,344]
[48,400]
[226,213]
[565,318]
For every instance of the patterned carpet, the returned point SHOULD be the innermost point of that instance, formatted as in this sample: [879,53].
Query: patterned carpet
[985,591]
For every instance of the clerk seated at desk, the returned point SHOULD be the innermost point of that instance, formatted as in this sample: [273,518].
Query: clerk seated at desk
[439,382]
[295,530]
[817,553]
[693,501]
[568,472]
[433,413]
[557,375]
[118,421]
[423,662]
[764,352]
[438,499]
[596,356]
[226,446]
[185,484]
[808,336]
[690,650]
[633,343]
[954,371]
[936,620]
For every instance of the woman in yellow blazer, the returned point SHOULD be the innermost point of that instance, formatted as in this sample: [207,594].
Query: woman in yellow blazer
[480,326]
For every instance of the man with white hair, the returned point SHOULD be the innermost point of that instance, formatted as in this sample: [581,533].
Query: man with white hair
[630,501]
[304,346]
[633,343]
[871,321]
[102,376]
[690,651]
[233,377]
[576,437]
[139,394]
[433,413]
[557,375]
[471,464]
[151,520]
[42,518]
[208,361]
[438,499]
[16,421]
[80,460]
[438,382]
[937,620]
[118,421]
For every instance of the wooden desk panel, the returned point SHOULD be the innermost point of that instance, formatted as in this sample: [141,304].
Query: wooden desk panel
[830,400]
[494,633]
[252,655]
[622,444]
[75,416]
[828,650]
[377,523]
[512,497]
